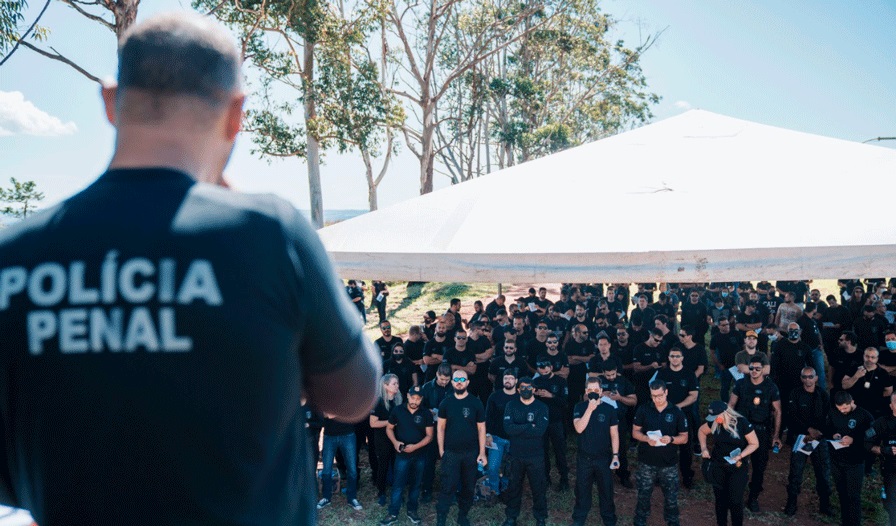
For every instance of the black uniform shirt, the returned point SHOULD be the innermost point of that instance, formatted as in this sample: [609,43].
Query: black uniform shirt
[868,391]
[755,401]
[724,442]
[595,440]
[678,383]
[883,433]
[461,416]
[558,388]
[494,412]
[806,410]
[854,424]
[525,426]
[410,428]
[670,422]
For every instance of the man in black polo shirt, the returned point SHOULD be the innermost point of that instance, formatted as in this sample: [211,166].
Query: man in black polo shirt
[880,440]
[508,360]
[682,390]
[525,422]
[621,391]
[808,406]
[869,385]
[553,392]
[758,399]
[158,330]
[648,358]
[559,362]
[459,356]
[661,428]
[410,430]
[579,351]
[598,454]
[461,439]
[434,350]
[848,424]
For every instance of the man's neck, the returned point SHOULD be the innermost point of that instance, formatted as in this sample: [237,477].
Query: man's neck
[461,396]
[676,369]
[412,410]
[758,380]
[527,402]
[662,408]
[511,391]
[750,351]
[509,358]
[809,389]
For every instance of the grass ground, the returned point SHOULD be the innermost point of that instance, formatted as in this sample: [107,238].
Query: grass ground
[406,306]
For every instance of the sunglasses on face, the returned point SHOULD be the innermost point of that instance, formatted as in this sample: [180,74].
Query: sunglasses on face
[459,380]
[755,368]
[807,376]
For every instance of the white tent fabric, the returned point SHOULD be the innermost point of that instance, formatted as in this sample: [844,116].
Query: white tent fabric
[697,197]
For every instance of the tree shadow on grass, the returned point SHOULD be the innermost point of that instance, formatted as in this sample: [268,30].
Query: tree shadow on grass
[414,291]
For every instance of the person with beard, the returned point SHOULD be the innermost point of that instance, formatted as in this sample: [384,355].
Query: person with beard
[724,346]
[869,385]
[478,312]
[553,392]
[556,323]
[869,327]
[604,357]
[495,305]
[508,360]
[856,302]
[622,392]
[500,328]
[643,311]
[847,424]
[402,368]
[682,389]
[580,317]
[559,362]
[789,357]
[743,358]
[413,348]
[623,349]
[390,397]
[537,345]
[603,311]
[808,407]
[496,438]
[435,349]
[834,322]
[749,319]
[598,455]
[434,392]
[410,430]
[845,359]
[695,314]
[482,350]
[648,358]
[579,351]
[771,303]
[658,453]
[663,324]
[788,312]
[880,440]
[815,299]
[758,399]
[385,342]
[525,422]
[459,356]
[460,430]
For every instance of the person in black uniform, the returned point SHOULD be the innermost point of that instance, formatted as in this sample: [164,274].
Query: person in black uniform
[808,406]
[401,367]
[848,424]
[579,351]
[410,430]
[159,300]
[434,392]
[598,455]
[682,389]
[880,440]
[620,390]
[725,468]
[385,342]
[661,428]
[379,421]
[496,437]
[552,390]
[525,422]
[869,384]
[461,437]
[758,399]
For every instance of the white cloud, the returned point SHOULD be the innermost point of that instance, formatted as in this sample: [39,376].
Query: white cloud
[20,117]
[683,104]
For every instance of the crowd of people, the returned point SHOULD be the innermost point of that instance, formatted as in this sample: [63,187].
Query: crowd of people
[496,395]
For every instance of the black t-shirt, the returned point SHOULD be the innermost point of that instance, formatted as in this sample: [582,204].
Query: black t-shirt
[433,394]
[135,358]
[724,442]
[623,387]
[381,412]
[598,363]
[558,361]
[883,433]
[435,348]
[494,412]
[460,358]
[595,440]
[646,355]
[461,416]
[694,357]
[404,370]
[413,350]
[842,364]
[410,428]
[868,391]
[678,383]
[500,364]
[385,347]
[670,422]
[853,424]
[560,394]
[755,401]
[727,346]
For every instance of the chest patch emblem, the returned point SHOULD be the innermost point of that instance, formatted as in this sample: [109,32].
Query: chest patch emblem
[466,412]
[669,418]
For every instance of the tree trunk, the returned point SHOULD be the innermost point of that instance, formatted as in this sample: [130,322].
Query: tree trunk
[371,184]
[427,148]
[125,12]
[313,149]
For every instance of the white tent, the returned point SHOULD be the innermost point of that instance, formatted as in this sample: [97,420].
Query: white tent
[697,197]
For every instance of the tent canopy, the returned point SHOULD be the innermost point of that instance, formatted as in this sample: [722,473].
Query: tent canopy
[697,197]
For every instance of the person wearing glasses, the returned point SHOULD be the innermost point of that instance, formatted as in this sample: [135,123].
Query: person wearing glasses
[648,357]
[751,348]
[683,389]
[496,438]
[460,430]
[553,392]
[597,424]
[525,422]
[809,406]
[758,399]
[726,468]
[661,428]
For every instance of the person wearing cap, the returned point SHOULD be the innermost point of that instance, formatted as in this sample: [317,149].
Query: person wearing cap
[496,438]
[525,422]
[598,454]
[880,440]
[621,391]
[758,399]
[661,428]
[410,430]
[724,467]
[683,388]
[847,425]
[553,392]
[808,407]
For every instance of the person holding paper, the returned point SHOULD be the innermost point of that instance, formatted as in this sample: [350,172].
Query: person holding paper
[619,390]
[880,440]
[726,467]
[683,389]
[597,424]
[847,424]
[660,427]
[808,408]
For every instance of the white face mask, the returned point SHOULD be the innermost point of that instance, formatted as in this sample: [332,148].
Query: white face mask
[772,337]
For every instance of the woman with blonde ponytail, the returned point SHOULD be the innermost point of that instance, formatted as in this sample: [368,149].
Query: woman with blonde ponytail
[726,467]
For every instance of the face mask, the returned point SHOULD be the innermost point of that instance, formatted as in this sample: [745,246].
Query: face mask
[772,337]
[891,345]
[526,394]
[724,294]
[793,335]
[593,396]
[887,302]
[398,357]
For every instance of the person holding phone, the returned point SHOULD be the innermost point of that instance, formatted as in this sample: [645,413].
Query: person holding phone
[597,424]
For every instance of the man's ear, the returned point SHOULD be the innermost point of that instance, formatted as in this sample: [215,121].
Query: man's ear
[108,91]
[234,118]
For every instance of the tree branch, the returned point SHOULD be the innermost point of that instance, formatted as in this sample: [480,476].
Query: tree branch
[62,59]
[90,16]
[25,34]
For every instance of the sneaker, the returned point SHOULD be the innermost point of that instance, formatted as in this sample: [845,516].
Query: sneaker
[323,503]
[389,520]
[413,517]
[355,505]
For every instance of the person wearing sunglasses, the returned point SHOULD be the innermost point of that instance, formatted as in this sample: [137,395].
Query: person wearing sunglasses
[808,407]
[460,431]
[525,422]
[759,400]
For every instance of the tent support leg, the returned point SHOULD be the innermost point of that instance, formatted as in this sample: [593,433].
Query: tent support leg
[499,289]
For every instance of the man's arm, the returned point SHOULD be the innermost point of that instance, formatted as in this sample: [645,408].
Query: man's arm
[362,372]
[688,400]
[440,429]
[483,458]
[776,405]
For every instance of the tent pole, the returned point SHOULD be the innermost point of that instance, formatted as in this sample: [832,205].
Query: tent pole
[499,289]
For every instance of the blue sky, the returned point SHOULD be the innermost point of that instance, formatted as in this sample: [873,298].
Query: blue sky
[823,67]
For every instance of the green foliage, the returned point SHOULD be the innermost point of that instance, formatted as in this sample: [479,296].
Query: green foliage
[20,198]
[11,16]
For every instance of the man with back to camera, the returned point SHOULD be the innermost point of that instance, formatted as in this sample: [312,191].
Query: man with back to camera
[128,354]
